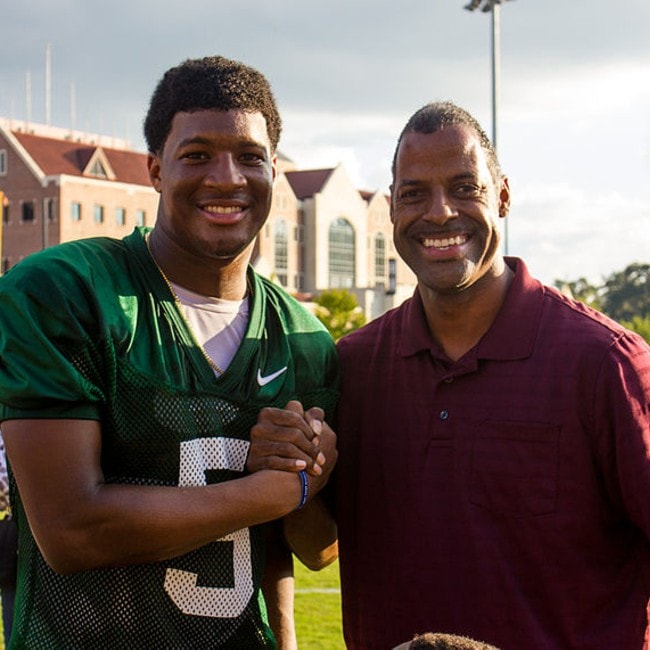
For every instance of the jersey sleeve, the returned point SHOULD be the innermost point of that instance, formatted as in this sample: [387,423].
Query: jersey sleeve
[49,356]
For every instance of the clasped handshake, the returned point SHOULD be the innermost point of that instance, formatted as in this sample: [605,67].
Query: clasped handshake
[294,440]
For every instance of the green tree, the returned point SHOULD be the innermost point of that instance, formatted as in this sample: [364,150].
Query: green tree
[640,326]
[581,290]
[339,311]
[626,294]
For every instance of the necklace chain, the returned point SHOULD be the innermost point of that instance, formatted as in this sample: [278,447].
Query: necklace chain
[181,310]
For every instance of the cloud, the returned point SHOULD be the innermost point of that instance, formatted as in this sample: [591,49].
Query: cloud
[574,129]
[565,233]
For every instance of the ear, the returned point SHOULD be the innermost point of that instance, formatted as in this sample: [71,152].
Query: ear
[153,166]
[504,198]
[390,205]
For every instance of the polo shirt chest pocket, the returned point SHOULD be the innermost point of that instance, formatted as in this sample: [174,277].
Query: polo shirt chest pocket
[514,468]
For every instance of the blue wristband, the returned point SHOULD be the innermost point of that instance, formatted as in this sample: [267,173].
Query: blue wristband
[304,484]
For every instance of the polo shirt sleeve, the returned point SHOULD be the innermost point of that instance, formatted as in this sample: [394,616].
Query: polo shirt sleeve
[622,423]
[48,356]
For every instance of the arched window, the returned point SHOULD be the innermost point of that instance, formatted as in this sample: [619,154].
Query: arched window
[341,255]
[380,258]
[281,240]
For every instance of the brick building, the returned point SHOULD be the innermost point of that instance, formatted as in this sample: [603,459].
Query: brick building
[322,231]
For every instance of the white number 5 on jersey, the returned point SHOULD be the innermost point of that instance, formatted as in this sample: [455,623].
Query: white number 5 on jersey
[197,456]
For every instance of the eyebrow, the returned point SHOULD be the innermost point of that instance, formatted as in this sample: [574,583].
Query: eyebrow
[193,140]
[408,181]
[199,139]
[458,177]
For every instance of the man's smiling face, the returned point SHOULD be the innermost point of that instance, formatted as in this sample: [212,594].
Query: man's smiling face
[215,176]
[445,208]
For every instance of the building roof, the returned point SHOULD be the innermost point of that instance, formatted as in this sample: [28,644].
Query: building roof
[307,183]
[56,157]
[367,196]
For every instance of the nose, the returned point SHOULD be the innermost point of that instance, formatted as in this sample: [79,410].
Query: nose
[441,208]
[224,171]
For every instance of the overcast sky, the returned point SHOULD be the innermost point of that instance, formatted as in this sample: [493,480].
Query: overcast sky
[574,125]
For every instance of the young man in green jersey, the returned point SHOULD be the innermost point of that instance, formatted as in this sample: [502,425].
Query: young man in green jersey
[131,374]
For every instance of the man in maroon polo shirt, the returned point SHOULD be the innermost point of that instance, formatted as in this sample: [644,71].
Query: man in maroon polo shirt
[493,477]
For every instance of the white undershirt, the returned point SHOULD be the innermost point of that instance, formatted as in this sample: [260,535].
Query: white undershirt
[218,325]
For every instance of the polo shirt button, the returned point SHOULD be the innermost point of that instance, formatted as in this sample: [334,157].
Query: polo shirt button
[444,415]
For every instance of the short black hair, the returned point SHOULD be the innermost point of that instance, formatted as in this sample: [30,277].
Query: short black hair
[209,83]
[435,116]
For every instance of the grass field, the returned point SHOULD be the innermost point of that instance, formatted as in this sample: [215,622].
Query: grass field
[318,608]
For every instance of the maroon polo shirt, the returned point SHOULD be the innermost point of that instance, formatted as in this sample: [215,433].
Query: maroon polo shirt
[504,496]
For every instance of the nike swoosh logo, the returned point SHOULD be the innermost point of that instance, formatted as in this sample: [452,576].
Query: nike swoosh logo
[262,381]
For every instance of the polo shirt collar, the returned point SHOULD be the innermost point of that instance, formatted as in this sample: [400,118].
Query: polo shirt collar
[512,334]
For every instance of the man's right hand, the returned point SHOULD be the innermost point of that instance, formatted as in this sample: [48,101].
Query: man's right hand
[293,440]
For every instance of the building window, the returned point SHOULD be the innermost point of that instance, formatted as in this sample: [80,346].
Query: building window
[3,162]
[98,213]
[48,209]
[281,249]
[98,170]
[380,258]
[5,210]
[300,281]
[341,255]
[392,276]
[75,211]
[28,211]
[120,216]
[139,217]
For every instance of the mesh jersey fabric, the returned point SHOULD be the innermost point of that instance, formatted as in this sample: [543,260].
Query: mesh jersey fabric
[89,329]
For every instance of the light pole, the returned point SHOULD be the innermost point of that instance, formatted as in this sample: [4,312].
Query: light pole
[494,7]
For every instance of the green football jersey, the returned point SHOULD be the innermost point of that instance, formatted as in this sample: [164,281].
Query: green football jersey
[90,330]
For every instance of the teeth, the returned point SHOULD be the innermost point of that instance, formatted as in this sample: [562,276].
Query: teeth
[222,209]
[429,242]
